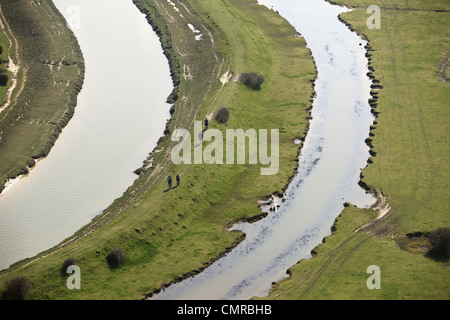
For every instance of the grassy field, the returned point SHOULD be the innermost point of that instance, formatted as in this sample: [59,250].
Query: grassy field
[410,167]
[170,234]
[50,76]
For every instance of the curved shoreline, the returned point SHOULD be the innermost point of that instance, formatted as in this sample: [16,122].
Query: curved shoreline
[66,117]
[100,220]
[110,215]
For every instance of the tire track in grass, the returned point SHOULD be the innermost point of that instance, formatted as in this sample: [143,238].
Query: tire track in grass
[380,227]
[16,66]
[143,187]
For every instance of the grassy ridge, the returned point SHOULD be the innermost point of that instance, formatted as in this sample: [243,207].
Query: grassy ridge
[50,76]
[171,234]
[410,167]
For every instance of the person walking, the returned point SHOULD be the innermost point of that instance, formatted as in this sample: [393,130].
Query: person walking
[178,179]
[169,181]
[206,123]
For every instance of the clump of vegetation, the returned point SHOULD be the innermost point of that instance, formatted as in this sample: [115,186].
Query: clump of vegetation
[253,80]
[3,79]
[17,288]
[67,263]
[440,240]
[116,257]
[222,115]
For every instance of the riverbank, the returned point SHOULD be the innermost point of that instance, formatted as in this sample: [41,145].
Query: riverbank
[408,166]
[44,97]
[169,233]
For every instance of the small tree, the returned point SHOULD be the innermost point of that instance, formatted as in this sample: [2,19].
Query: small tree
[17,288]
[116,257]
[3,79]
[252,80]
[67,263]
[222,115]
[440,240]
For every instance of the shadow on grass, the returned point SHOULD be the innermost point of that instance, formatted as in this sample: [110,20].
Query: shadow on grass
[171,188]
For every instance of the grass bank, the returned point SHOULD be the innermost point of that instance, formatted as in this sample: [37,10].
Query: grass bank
[4,59]
[50,76]
[409,166]
[170,234]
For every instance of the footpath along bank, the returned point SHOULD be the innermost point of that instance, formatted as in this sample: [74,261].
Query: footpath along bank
[171,235]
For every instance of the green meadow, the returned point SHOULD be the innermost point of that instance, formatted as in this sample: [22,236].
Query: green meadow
[51,70]
[170,234]
[410,167]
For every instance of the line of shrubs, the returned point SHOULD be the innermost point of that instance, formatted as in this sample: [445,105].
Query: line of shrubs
[18,288]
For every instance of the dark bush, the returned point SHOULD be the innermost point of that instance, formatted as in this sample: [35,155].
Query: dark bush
[17,288]
[440,240]
[3,79]
[222,115]
[66,264]
[116,257]
[1,49]
[252,80]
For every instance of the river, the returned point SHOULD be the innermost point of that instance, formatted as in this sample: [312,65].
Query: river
[120,115]
[331,160]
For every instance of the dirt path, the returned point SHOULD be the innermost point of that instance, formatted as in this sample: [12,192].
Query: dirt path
[12,67]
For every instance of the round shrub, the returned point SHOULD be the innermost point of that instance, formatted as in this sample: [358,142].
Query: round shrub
[116,257]
[3,79]
[17,288]
[222,115]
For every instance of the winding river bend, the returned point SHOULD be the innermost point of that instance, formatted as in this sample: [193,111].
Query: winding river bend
[120,115]
[330,164]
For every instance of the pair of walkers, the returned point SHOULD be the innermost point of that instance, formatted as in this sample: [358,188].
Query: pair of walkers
[169,180]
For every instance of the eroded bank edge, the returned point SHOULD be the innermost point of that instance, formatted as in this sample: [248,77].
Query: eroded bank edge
[71,105]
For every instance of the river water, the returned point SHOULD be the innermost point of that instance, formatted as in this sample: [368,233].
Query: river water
[120,115]
[330,164]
